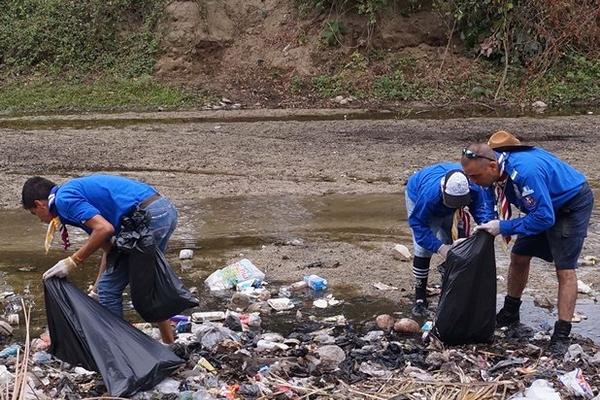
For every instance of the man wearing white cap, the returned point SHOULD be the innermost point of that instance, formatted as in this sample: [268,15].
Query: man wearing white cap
[436,197]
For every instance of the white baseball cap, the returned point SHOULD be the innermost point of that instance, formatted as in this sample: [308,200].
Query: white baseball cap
[455,189]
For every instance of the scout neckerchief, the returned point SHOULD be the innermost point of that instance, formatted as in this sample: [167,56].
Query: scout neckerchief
[461,215]
[503,206]
[53,226]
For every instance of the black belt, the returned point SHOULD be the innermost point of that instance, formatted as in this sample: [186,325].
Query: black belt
[149,200]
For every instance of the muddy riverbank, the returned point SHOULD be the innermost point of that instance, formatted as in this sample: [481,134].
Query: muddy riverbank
[248,187]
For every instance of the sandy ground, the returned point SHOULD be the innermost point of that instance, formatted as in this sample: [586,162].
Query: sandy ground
[193,160]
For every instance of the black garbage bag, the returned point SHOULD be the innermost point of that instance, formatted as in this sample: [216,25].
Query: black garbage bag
[84,333]
[156,292]
[466,312]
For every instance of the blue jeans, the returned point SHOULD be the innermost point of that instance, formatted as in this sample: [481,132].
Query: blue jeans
[440,226]
[113,281]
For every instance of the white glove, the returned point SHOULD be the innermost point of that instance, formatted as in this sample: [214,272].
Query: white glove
[61,269]
[491,227]
[443,250]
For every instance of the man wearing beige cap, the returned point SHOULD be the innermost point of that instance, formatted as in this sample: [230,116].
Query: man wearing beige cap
[557,203]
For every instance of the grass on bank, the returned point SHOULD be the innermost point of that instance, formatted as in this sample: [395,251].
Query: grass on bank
[106,94]
[575,80]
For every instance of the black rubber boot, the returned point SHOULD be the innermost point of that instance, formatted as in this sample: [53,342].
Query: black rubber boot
[420,308]
[560,341]
[509,314]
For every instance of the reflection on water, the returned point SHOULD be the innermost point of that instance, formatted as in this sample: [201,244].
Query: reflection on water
[215,227]
[218,227]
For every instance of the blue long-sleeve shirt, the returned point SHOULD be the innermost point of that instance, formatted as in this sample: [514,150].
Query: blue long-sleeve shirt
[538,184]
[80,199]
[425,191]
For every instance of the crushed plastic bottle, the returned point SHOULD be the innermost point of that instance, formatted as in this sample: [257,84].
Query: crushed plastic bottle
[9,351]
[41,357]
[315,282]
[183,327]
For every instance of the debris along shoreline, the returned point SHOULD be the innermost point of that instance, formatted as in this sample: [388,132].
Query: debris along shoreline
[229,355]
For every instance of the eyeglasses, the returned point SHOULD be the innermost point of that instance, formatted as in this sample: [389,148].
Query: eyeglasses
[471,155]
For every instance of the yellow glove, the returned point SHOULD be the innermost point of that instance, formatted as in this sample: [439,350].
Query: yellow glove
[61,269]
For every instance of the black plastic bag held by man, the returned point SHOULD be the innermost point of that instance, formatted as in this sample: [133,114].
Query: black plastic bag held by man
[156,292]
[84,333]
[466,312]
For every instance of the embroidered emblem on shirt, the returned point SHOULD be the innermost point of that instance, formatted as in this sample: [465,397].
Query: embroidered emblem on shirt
[527,191]
[529,202]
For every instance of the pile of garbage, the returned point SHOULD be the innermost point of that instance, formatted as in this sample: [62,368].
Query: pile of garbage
[230,354]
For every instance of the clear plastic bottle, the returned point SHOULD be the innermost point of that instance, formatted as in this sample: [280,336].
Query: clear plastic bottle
[315,282]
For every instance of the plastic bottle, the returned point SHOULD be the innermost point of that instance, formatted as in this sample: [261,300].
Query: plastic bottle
[9,351]
[315,282]
[41,357]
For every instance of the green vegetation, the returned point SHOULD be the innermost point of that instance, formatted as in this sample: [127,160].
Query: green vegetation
[104,94]
[575,79]
[79,36]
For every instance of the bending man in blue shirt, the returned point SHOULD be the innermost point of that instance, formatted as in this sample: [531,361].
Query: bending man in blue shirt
[557,203]
[435,198]
[96,204]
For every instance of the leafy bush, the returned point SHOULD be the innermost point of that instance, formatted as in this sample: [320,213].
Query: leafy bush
[79,35]
[531,33]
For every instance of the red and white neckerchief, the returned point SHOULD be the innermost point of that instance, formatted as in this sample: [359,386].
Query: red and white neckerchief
[461,217]
[503,205]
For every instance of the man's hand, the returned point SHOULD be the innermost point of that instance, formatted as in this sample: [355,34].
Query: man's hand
[443,251]
[491,227]
[61,269]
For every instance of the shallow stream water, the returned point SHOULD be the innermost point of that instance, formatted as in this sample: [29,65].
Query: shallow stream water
[217,227]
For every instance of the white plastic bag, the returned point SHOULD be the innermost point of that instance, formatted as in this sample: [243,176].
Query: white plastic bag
[576,384]
[540,389]
[231,275]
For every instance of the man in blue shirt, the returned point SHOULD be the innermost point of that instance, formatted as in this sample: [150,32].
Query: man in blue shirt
[96,204]
[557,203]
[435,198]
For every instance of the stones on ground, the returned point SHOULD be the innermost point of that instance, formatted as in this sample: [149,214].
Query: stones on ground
[578,317]
[383,286]
[343,100]
[539,105]
[401,252]
[588,261]
[583,287]
[281,304]
[330,356]
[240,301]
[407,325]
[385,322]
[199,317]
[186,254]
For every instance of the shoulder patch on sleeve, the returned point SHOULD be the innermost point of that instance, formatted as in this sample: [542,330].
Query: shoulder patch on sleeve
[529,202]
[527,191]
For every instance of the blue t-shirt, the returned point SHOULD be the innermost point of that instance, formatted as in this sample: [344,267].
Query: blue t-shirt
[425,190]
[539,183]
[78,200]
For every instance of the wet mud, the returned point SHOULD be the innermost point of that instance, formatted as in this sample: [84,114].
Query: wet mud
[333,188]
